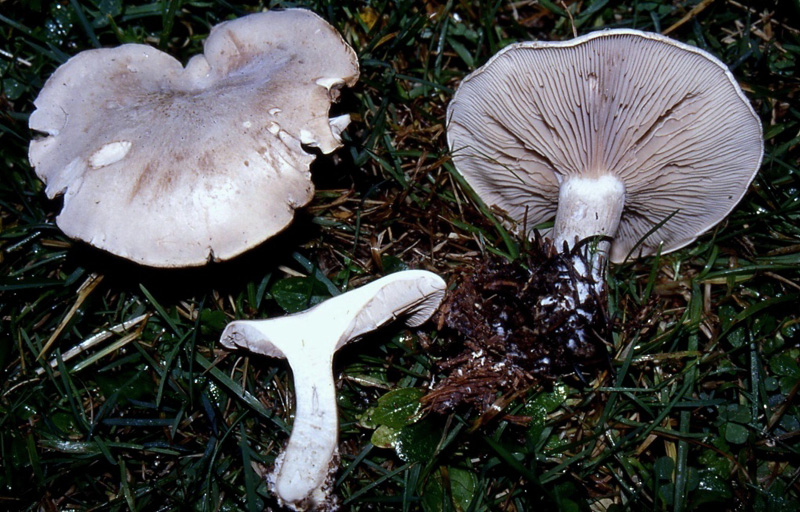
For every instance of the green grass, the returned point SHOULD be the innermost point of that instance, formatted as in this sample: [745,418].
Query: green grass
[701,412]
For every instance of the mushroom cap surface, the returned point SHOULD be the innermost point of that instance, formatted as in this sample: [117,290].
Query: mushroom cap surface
[665,118]
[173,166]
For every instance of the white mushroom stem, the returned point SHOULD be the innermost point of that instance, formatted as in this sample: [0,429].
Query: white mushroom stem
[308,341]
[589,207]
[307,461]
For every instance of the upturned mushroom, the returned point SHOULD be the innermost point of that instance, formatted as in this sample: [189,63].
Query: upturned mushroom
[174,166]
[308,340]
[627,136]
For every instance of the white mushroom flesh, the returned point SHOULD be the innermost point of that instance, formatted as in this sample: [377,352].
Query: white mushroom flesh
[308,341]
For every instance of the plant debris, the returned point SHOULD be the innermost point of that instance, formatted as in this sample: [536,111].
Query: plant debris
[521,323]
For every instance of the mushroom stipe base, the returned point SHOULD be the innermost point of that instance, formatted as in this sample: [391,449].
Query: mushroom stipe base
[521,323]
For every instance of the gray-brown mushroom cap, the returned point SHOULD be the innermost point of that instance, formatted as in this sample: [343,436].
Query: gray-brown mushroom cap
[665,119]
[173,166]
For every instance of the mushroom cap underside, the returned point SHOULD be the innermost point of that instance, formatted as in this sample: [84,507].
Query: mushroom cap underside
[410,295]
[665,118]
[172,166]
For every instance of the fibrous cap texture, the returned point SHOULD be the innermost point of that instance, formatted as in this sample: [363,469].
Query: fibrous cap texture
[173,166]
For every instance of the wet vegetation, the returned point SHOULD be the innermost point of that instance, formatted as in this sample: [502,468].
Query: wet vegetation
[116,394]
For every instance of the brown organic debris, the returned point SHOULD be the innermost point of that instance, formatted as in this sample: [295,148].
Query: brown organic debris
[521,323]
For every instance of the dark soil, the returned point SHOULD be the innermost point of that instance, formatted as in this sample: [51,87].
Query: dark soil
[519,323]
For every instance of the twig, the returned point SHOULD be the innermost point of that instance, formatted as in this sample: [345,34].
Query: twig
[697,9]
[571,19]
[94,340]
[10,55]
[772,21]
[85,289]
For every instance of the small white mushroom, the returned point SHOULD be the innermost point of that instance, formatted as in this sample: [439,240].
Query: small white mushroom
[173,166]
[308,340]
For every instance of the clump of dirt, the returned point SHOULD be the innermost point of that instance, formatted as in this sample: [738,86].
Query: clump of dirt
[520,323]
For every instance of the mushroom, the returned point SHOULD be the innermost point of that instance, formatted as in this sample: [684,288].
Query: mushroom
[628,136]
[174,166]
[308,341]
